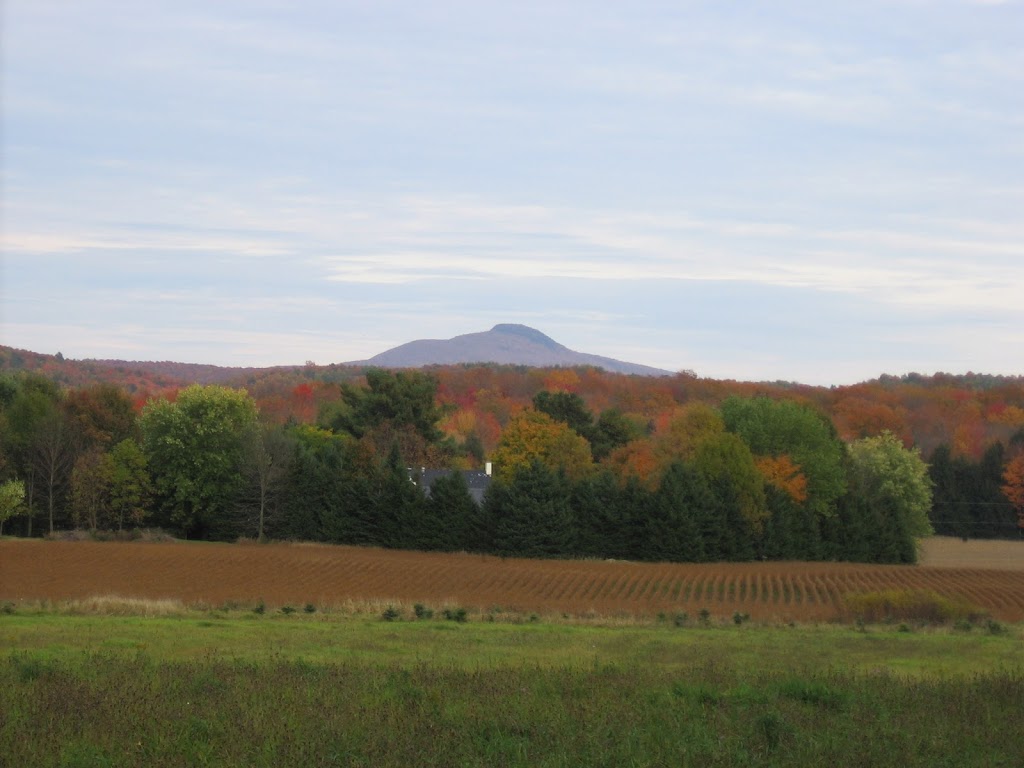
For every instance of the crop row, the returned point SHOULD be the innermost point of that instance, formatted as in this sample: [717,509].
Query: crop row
[325,575]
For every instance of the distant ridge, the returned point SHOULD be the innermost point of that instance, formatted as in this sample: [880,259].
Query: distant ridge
[506,344]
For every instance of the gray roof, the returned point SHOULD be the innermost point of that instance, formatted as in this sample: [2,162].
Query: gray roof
[477,481]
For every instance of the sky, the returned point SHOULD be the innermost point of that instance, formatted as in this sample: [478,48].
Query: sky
[805,191]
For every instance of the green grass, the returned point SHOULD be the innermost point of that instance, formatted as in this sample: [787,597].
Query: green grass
[240,689]
[368,640]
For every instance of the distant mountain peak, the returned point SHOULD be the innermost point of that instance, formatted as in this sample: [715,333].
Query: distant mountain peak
[528,333]
[504,344]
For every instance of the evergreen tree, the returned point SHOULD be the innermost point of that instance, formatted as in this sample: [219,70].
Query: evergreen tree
[449,513]
[596,504]
[673,529]
[534,518]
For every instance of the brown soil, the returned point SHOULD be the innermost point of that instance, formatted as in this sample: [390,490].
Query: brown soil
[296,574]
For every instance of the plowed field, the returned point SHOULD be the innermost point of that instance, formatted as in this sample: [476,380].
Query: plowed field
[296,574]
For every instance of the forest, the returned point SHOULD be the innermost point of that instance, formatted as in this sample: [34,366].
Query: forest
[586,463]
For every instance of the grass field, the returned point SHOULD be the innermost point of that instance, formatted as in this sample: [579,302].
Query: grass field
[556,663]
[989,576]
[303,690]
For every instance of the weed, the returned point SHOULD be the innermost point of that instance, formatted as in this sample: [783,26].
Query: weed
[260,608]
[7,608]
[813,692]
[422,612]
[771,726]
[309,608]
[705,616]
[455,614]
[680,619]
[287,610]
[391,614]
[739,618]
[995,628]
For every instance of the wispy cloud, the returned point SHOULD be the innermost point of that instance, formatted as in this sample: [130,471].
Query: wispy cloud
[740,190]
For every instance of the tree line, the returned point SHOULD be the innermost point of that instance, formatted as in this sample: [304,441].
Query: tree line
[754,477]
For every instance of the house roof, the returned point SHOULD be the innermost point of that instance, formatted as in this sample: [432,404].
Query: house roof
[477,481]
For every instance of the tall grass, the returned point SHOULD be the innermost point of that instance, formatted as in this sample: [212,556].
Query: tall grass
[117,710]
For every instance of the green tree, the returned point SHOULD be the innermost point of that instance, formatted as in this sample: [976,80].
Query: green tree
[38,442]
[313,498]
[532,513]
[402,398]
[449,512]
[12,499]
[778,428]
[90,489]
[266,452]
[566,407]
[195,447]
[728,466]
[673,523]
[612,430]
[600,519]
[131,488]
[893,480]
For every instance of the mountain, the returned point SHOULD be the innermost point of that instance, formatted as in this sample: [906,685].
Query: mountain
[505,343]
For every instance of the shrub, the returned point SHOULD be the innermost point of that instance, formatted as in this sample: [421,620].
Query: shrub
[391,614]
[705,616]
[680,619]
[287,609]
[907,605]
[422,612]
[310,608]
[455,614]
[260,608]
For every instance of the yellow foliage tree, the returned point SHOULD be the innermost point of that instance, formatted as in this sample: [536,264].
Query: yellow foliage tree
[534,436]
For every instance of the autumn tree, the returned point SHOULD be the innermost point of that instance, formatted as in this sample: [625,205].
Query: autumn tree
[101,414]
[1013,485]
[533,436]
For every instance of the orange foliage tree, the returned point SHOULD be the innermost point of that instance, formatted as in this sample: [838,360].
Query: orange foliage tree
[782,473]
[1013,487]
